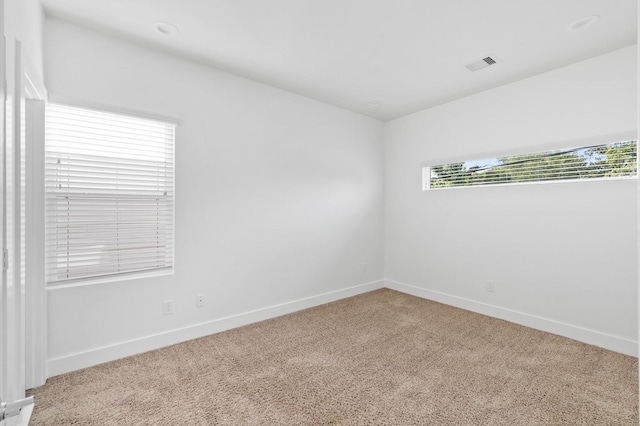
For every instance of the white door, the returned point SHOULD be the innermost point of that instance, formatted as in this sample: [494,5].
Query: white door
[14,410]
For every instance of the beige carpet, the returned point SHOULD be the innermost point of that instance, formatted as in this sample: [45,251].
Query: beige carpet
[382,358]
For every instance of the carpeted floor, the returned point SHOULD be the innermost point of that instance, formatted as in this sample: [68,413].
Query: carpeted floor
[381,358]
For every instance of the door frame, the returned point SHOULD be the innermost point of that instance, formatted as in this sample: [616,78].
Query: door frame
[33,100]
[23,316]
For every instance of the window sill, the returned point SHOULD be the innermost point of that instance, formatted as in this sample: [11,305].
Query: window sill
[110,279]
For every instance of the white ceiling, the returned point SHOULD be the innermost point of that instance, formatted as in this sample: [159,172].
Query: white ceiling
[406,54]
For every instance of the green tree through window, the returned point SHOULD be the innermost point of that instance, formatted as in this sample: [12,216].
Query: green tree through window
[617,159]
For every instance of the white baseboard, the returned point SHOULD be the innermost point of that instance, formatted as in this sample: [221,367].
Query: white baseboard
[77,361]
[119,350]
[592,337]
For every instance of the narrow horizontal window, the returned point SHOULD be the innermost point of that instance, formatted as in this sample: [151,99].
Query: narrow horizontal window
[613,160]
[109,194]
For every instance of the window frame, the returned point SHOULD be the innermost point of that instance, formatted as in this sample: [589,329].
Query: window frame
[425,167]
[128,275]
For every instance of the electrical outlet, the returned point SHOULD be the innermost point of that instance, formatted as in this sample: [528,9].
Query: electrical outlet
[167,307]
[490,286]
[200,301]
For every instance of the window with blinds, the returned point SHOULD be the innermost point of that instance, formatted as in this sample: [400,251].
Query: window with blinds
[613,160]
[109,194]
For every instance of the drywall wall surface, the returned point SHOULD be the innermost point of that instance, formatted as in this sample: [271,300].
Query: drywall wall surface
[563,256]
[26,25]
[278,200]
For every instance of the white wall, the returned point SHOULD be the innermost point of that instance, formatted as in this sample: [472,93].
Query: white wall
[279,203]
[278,199]
[25,22]
[563,256]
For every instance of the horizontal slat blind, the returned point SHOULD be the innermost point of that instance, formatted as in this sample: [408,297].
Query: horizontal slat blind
[614,160]
[109,194]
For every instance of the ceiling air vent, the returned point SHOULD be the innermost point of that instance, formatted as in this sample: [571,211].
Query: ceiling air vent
[482,63]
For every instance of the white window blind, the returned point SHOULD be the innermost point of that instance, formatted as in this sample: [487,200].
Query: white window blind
[613,160]
[109,194]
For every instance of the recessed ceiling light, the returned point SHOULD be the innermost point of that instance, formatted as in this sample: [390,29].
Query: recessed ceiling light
[373,104]
[583,23]
[165,28]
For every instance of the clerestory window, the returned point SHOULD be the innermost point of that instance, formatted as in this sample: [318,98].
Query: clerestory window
[612,160]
